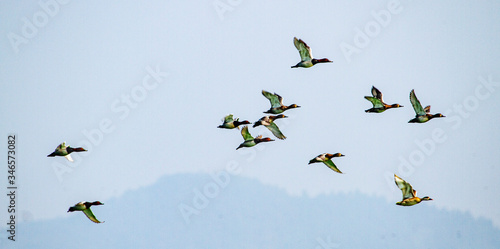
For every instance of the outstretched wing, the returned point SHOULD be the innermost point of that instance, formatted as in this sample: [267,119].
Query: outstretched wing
[61,147]
[427,109]
[68,156]
[90,215]
[275,99]
[377,103]
[304,50]
[246,135]
[376,93]
[275,130]
[228,118]
[416,104]
[331,165]
[405,187]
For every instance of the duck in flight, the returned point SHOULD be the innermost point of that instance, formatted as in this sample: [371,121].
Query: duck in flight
[65,151]
[268,122]
[306,58]
[277,106]
[378,103]
[327,160]
[251,141]
[422,115]
[229,123]
[85,208]
[409,194]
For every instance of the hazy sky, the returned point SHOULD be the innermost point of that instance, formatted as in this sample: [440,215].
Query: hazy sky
[143,86]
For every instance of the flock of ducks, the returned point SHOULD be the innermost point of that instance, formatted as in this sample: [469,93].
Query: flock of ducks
[422,115]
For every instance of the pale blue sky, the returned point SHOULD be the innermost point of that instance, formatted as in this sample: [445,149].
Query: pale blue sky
[156,78]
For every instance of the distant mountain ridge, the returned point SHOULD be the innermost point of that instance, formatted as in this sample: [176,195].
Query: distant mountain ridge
[243,213]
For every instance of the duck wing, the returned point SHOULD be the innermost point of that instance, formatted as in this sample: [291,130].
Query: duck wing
[62,147]
[228,118]
[377,103]
[275,130]
[68,156]
[416,104]
[427,109]
[304,50]
[246,135]
[90,215]
[275,99]
[332,166]
[376,93]
[405,187]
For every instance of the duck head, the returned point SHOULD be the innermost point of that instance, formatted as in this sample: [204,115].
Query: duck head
[396,106]
[280,116]
[79,149]
[315,61]
[438,115]
[337,155]
[95,203]
[260,140]
[426,198]
[238,123]
[292,106]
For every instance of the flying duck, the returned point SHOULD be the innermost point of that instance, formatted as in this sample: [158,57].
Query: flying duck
[249,140]
[327,160]
[377,102]
[306,58]
[422,115]
[65,151]
[277,106]
[85,208]
[268,122]
[229,123]
[409,194]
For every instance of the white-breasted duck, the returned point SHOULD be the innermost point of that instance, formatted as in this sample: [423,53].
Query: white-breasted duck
[422,115]
[378,103]
[277,106]
[85,208]
[251,141]
[65,151]
[326,158]
[409,194]
[306,58]
[268,122]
